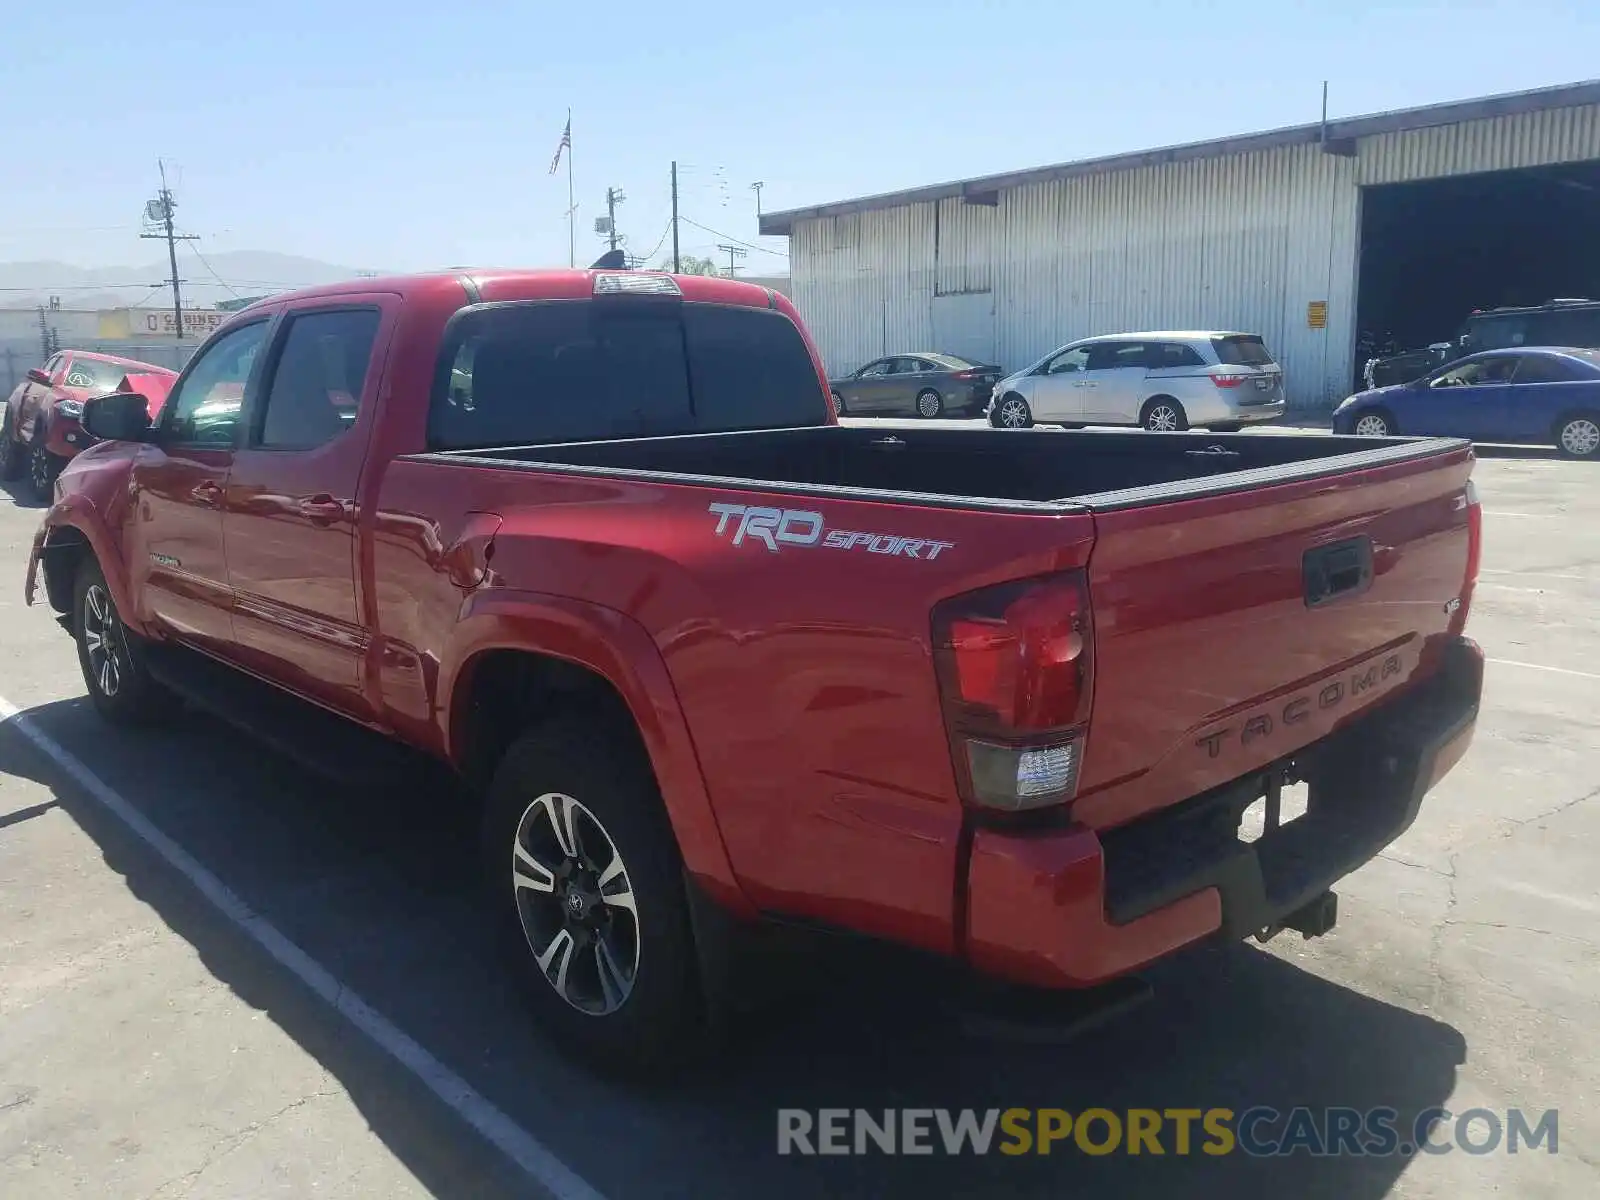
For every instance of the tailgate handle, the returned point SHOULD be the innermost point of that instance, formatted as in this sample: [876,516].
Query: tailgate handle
[1340,569]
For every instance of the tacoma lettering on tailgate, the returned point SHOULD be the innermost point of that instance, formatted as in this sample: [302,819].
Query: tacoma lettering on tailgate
[1372,676]
[775,528]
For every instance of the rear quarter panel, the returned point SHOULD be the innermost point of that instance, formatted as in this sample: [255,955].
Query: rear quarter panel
[803,673]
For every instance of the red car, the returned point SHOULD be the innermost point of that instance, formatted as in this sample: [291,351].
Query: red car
[40,429]
[719,668]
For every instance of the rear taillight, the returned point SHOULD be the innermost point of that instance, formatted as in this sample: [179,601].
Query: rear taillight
[1469,501]
[1228,379]
[966,374]
[1016,672]
[1474,533]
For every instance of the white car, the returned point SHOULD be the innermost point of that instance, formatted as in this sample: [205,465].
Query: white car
[1162,381]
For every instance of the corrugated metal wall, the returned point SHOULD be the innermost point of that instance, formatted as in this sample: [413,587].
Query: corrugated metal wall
[1245,242]
[1499,144]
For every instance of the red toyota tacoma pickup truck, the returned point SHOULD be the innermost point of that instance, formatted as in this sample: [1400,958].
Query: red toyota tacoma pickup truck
[595,540]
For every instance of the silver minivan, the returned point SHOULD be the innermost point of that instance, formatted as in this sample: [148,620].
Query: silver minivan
[1163,381]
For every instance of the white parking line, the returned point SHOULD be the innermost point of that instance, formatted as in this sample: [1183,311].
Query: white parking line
[1511,662]
[495,1126]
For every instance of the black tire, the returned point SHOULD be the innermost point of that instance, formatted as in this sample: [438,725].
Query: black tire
[659,1024]
[1163,414]
[1375,422]
[12,453]
[1011,411]
[838,404]
[125,694]
[930,405]
[1225,427]
[43,467]
[1578,435]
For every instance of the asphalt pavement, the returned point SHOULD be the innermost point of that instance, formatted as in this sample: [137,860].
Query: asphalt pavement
[218,977]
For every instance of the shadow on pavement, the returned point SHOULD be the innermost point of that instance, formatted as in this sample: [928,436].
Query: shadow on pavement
[379,889]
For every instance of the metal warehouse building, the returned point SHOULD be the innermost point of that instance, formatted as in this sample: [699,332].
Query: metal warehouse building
[1393,226]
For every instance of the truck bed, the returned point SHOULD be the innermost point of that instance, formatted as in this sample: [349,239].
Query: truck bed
[1033,470]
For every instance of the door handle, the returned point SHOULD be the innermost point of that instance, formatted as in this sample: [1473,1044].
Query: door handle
[208,493]
[322,510]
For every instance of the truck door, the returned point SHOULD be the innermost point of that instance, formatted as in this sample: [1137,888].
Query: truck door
[290,524]
[174,524]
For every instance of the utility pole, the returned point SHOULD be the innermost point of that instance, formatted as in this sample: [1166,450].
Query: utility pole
[756,188]
[677,265]
[614,197]
[733,253]
[159,212]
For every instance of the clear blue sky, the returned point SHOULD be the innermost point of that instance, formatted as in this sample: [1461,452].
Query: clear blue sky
[412,135]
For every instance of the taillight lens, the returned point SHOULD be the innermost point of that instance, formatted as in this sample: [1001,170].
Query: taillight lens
[1474,533]
[1016,671]
[1228,379]
[966,374]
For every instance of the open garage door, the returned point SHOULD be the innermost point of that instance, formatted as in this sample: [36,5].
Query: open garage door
[1434,250]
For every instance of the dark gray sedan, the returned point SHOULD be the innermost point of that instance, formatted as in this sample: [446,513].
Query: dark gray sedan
[916,385]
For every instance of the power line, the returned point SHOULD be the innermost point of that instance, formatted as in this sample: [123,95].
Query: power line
[736,241]
[205,263]
[660,241]
[82,287]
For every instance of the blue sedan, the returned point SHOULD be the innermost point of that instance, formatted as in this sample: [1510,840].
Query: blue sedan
[1541,395]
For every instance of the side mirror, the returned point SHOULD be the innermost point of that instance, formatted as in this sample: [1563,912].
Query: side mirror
[35,375]
[119,417]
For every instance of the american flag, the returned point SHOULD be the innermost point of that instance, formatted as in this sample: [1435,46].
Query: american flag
[566,144]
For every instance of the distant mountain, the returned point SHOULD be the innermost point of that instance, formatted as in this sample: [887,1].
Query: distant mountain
[241,272]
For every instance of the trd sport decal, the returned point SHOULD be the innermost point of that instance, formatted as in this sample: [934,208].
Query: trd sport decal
[775,528]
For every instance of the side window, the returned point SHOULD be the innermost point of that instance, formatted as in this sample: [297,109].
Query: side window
[1578,327]
[1107,356]
[902,366]
[1069,360]
[1537,368]
[317,381]
[1174,354]
[204,407]
[1480,371]
[923,366]
[878,369]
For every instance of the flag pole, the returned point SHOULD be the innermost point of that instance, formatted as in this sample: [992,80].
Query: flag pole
[572,209]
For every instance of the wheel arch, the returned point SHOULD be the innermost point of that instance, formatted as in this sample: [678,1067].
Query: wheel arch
[71,530]
[518,657]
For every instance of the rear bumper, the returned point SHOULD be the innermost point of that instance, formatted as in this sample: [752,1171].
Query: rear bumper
[1073,908]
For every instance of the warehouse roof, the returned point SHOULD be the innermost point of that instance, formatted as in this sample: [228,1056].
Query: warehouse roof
[985,189]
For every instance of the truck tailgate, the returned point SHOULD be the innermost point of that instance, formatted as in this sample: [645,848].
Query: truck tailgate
[1233,630]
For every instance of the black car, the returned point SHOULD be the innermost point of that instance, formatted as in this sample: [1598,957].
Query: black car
[1556,323]
[916,385]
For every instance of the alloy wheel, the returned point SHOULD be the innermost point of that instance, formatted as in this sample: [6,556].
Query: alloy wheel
[576,904]
[1372,425]
[39,471]
[928,404]
[103,641]
[1014,414]
[1580,437]
[1163,418]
